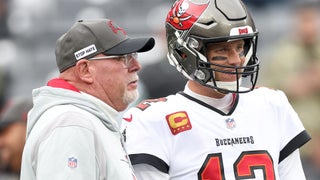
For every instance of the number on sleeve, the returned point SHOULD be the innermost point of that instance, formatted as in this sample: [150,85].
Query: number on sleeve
[146,103]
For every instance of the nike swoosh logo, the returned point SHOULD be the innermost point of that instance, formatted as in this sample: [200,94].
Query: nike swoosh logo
[128,119]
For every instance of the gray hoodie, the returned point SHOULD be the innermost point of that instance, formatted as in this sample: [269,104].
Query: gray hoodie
[73,135]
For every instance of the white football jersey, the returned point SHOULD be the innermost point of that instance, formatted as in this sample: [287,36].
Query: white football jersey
[188,139]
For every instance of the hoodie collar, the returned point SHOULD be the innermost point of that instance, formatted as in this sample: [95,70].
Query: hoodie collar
[61,83]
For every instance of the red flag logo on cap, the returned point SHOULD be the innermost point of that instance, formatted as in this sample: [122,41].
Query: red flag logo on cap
[184,14]
[116,29]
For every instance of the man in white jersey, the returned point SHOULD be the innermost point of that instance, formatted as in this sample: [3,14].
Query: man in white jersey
[220,127]
[72,129]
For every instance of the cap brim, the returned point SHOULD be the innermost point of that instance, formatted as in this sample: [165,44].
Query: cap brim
[132,45]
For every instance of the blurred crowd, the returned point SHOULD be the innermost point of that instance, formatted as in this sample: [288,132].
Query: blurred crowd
[294,67]
[289,51]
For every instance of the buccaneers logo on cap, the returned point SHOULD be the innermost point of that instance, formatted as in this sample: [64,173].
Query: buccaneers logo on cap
[184,14]
[115,28]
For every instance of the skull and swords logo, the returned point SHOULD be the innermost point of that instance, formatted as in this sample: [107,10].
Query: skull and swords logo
[185,13]
[178,13]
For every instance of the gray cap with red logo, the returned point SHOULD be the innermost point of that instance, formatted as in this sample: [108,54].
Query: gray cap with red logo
[87,38]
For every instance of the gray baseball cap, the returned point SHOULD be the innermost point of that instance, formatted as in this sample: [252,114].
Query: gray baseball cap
[87,38]
[15,110]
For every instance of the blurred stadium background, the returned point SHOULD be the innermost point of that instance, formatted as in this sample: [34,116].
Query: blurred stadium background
[29,29]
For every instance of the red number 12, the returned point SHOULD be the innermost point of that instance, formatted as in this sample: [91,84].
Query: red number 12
[248,161]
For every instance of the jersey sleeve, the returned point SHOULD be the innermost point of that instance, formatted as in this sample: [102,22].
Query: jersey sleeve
[146,138]
[292,132]
[145,171]
[291,167]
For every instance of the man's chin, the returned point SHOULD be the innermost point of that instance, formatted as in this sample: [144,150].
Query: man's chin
[130,96]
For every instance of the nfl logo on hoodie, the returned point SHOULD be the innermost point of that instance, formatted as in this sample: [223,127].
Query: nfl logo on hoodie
[72,162]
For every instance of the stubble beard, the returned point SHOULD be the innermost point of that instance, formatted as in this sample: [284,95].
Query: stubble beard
[130,96]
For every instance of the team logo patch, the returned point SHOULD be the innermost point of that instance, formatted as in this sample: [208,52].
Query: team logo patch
[241,30]
[178,122]
[230,123]
[72,162]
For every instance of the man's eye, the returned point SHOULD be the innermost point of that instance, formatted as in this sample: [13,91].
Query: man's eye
[240,48]
[241,54]
[222,50]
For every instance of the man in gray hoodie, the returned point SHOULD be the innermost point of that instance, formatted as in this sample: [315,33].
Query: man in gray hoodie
[72,131]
